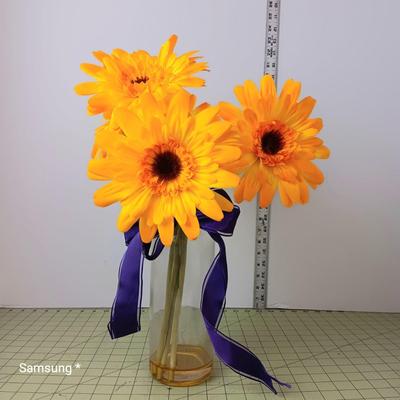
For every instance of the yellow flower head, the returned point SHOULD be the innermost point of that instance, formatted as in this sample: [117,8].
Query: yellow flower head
[123,77]
[278,142]
[110,126]
[163,166]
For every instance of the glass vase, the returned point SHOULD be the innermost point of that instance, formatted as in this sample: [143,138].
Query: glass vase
[181,353]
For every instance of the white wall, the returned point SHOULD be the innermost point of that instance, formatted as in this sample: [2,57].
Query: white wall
[57,248]
[339,252]
[342,251]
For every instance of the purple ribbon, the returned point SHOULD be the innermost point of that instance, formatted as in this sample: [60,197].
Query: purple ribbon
[125,312]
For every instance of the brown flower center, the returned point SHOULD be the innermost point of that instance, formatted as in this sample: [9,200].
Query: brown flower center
[167,166]
[140,79]
[271,142]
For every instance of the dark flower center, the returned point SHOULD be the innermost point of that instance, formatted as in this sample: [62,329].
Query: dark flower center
[140,79]
[271,142]
[167,166]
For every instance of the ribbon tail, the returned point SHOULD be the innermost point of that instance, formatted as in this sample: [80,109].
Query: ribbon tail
[230,352]
[125,311]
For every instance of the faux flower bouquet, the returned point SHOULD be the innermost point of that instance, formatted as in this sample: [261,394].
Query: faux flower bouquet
[168,162]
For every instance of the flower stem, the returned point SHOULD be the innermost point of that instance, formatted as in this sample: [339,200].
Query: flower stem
[173,302]
[182,251]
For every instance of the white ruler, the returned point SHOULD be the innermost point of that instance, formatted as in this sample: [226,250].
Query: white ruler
[264,214]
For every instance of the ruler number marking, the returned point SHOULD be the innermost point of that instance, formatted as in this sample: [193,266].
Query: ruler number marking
[263,214]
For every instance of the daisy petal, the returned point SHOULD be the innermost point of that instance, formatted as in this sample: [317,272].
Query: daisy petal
[111,193]
[146,232]
[86,88]
[226,179]
[267,193]
[289,192]
[166,231]
[229,112]
[212,209]
[191,228]
[223,202]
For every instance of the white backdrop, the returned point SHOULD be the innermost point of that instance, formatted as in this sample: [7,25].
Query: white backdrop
[342,251]
[339,252]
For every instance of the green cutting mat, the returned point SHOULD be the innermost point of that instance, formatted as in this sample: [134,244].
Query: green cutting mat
[324,355]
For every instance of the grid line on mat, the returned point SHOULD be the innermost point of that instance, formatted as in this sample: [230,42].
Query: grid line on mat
[324,355]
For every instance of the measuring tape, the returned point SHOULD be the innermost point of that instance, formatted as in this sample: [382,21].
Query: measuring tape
[264,214]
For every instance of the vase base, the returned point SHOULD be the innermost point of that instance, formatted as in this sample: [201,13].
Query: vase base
[193,366]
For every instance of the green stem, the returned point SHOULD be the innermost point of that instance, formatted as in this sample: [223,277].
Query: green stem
[164,334]
[182,252]
[173,301]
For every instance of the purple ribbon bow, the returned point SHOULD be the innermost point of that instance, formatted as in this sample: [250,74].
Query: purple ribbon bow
[125,312]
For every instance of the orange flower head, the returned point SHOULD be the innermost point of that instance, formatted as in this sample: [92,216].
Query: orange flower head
[278,142]
[123,77]
[162,164]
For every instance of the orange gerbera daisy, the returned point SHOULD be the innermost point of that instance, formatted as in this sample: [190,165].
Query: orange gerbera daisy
[124,76]
[163,166]
[278,141]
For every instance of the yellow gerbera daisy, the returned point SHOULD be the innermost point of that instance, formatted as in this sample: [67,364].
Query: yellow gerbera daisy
[163,166]
[278,141]
[162,106]
[124,76]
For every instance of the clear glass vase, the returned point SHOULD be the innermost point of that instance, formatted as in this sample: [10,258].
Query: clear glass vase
[181,353]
